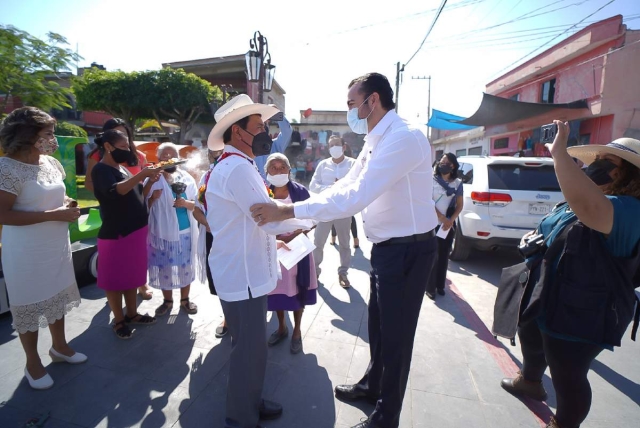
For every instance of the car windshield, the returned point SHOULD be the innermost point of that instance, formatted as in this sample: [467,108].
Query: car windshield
[521,177]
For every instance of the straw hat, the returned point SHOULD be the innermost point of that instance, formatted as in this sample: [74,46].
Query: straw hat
[237,108]
[625,148]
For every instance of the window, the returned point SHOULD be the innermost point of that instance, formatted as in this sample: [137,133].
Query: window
[475,151]
[465,173]
[439,154]
[584,139]
[461,152]
[548,91]
[515,97]
[501,143]
[520,177]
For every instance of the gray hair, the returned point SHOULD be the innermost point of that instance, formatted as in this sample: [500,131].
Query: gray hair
[164,146]
[276,156]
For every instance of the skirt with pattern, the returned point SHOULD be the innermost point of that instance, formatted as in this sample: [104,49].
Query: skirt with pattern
[171,269]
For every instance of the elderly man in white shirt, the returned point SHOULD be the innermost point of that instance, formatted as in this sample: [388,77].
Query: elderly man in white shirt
[391,184]
[243,259]
[327,174]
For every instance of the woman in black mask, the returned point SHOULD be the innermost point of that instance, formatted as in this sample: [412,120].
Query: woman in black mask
[584,299]
[448,198]
[122,240]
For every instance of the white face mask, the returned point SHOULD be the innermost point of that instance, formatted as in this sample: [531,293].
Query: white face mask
[279,180]
[357,125]
[336,152]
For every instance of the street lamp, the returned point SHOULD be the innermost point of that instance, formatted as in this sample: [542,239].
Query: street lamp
[259,67]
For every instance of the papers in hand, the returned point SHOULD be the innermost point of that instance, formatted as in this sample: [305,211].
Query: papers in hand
[299,247]
[442,234]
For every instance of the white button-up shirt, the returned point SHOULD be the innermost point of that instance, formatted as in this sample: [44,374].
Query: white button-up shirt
[243,256]
[328,172]
[391,183]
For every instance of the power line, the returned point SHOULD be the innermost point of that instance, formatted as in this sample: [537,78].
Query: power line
[433,23]
[555,37]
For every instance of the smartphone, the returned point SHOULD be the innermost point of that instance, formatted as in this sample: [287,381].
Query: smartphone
[548,133]
[277,117]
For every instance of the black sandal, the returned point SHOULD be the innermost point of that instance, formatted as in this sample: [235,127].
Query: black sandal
[189,307]
[123,332]
[140,319]
[164,308]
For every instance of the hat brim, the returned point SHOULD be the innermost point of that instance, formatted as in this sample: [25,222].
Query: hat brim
[587,154]
[215,142]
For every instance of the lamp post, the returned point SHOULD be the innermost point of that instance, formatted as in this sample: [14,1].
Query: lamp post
[259,67]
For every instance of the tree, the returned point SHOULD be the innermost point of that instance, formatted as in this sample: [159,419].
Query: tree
[69,130]
[120,94]
[30,67]
[183,97]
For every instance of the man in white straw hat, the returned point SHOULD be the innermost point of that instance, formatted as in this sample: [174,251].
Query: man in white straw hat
[583,299]
[243,259]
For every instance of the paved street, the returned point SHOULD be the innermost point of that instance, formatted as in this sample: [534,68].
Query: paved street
[173,374]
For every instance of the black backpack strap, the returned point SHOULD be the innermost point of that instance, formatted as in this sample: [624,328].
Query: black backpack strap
[636,320]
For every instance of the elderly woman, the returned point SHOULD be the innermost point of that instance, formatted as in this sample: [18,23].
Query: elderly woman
[36,253]
[133,164]
[122,239]
[298,286]
[448,198]
[584,299]
[173,233]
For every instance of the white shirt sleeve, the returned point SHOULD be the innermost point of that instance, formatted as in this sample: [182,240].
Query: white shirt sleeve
[363,185]
[246,188]
[316,185]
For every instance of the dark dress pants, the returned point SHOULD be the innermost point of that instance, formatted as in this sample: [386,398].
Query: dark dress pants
[439,276]
[568,362]
[399,276]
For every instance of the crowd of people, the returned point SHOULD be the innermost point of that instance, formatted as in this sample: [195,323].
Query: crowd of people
[166,228]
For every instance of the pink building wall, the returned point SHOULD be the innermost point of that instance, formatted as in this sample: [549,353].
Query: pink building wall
[596,64]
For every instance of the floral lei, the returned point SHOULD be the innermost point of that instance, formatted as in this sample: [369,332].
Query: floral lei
[203,189]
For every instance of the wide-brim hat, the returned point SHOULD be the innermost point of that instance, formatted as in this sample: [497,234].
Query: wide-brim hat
[625,148]
[237,108]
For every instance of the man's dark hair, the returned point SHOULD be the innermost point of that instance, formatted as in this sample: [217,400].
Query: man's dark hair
[376,82]
[242,123]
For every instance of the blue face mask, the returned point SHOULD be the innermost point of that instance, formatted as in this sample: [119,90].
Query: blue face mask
[357,125]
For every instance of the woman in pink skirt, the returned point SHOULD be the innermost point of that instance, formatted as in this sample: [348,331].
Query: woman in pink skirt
[122,240]
[298,286]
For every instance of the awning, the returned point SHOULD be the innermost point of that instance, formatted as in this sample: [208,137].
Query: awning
[446,121]
[498,111]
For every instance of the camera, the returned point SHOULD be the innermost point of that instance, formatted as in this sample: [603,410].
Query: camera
[548,133]
[532,246]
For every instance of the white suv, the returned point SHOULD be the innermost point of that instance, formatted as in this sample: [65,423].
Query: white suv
[504,198]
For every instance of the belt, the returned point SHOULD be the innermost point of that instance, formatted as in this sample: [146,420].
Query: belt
[418,237]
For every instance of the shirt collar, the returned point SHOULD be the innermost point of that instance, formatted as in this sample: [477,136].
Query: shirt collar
[230,149]
[378,131]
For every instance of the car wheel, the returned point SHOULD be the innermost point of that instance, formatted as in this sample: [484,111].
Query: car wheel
[93,265]
[460,247]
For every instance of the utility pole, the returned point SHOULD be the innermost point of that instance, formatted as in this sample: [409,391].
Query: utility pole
[398,77]
[429,96]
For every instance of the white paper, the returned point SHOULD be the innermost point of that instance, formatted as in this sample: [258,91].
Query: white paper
[442,234]
[299,247]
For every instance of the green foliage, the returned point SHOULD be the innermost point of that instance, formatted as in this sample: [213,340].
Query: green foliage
[69,130]
[29,68]
[120,94]
[160,94]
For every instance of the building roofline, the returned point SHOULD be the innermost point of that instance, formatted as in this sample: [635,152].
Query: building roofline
[205,61]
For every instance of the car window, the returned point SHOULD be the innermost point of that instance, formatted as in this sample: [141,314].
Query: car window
[466,173]
[521,177]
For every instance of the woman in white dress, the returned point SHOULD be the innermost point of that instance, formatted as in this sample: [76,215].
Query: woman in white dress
[36,253]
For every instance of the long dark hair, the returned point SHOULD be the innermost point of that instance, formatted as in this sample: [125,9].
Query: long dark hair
[627,183]
[111,136]
[110,125]
[454,161]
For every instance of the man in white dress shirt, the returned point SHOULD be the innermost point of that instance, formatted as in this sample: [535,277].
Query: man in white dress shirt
[328,172]
[243,259]
[391,184]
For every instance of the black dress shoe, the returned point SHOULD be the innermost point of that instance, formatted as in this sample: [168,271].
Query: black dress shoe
[441,292]
[365,424]
[431,295]
[354,393]
[270,410]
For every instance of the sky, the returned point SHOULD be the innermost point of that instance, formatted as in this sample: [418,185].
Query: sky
[318,47]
